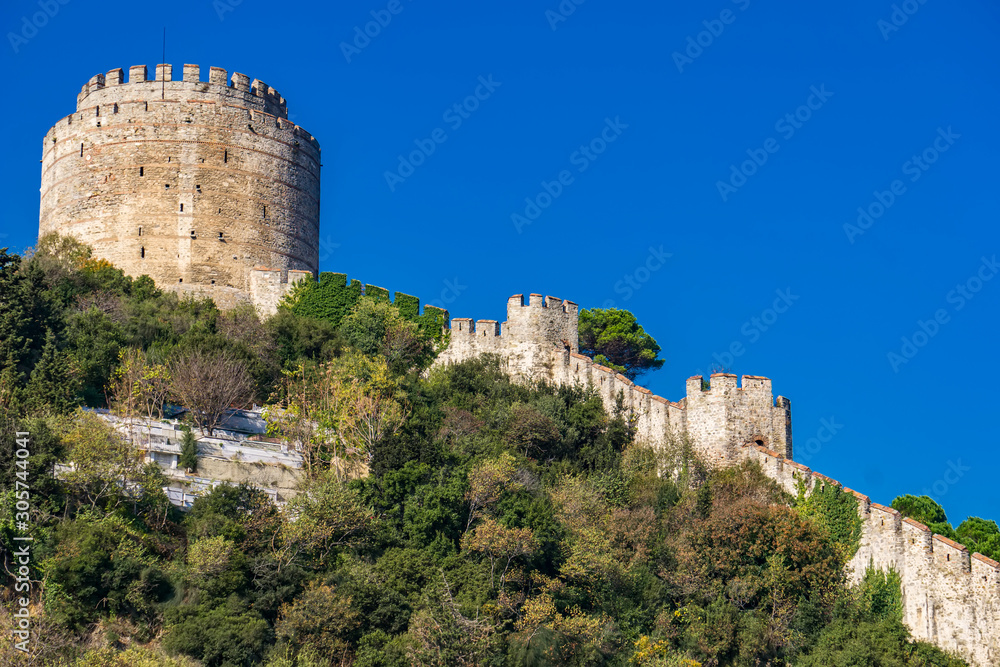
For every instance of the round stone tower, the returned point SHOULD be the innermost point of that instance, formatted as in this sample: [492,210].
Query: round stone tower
[193,183]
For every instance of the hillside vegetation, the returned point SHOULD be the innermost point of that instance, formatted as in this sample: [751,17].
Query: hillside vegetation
[501,523]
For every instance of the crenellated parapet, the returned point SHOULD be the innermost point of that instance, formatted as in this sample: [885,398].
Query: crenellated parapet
[535,329]
[540,341]
[726,414]
[950,597]
[240,89]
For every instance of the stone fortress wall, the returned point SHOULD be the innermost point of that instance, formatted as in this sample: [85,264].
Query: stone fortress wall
[540,341]
[192,182]
[950,598]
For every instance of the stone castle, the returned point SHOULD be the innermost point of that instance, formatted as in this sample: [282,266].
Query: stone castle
[950,597]
[205,186]
[209,189]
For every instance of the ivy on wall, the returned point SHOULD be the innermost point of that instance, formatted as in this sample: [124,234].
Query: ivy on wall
[377,293]
[834,509]
[332,298]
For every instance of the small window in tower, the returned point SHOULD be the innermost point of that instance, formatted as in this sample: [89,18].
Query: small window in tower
[213,282]
[947,556]
[98,123]
[142,253]
[220,235]
[265,210]
[197,188]
[142,171]
[81,150]
[166,186]
[115,110]
[147,106]
[180,280]
[98,107]
[182,208]
[140,231]
[225,156]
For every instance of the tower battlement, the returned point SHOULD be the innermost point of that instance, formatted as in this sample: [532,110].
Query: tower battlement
[240,90]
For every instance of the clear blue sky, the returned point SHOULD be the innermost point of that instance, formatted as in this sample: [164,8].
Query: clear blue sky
[879,96]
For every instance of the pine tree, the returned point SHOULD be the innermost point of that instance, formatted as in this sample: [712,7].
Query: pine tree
[53,384]
[189,451]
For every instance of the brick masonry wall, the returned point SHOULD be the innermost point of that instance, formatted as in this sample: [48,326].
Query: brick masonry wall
[193,183]
[950,598]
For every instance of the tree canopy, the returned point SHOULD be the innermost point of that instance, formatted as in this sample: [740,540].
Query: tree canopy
[614,338]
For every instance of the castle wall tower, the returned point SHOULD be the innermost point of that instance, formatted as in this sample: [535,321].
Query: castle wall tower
[950,597]
[726,416]
[192,182]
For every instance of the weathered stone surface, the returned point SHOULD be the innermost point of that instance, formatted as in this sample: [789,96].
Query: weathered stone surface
[193,183]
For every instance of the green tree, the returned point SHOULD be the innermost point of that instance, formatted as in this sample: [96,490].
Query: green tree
[615,339]
[321,619]
[94,340]
[25,316]
[980,535]
[925,510]
[325,515]
[102,563]
[230,634]
[836,511]
[105,469]
[375,327]
[189,451]
[54,385]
